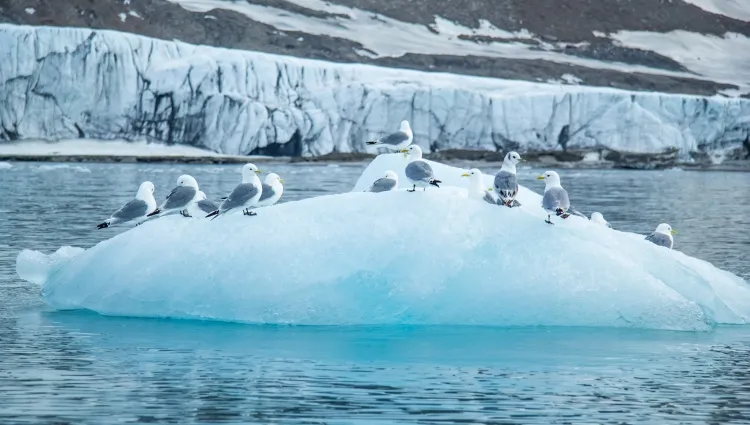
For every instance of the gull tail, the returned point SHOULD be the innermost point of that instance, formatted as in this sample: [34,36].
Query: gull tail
[435,182]
[575,212]
[156,211]
[102,225]
[213,214]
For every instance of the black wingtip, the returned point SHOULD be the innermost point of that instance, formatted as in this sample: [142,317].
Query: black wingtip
[213,214]
[156,211]
[435,182]
[371,142]
[102,225]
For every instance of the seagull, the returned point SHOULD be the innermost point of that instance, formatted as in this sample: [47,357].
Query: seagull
[180,197]
[662,236]
[272,190]
[418,172]
[396,141]
[245,195]
[200,206]
[555,200]
[506,182]
[135,209]
[477,189]
[598,218]
[385,184]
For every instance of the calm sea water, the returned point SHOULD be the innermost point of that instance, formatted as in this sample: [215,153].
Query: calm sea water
[81,368]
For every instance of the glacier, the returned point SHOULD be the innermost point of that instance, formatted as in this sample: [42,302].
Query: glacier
[426,258]
[123,86]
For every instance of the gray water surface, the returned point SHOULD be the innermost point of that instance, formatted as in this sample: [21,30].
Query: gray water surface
[81,368]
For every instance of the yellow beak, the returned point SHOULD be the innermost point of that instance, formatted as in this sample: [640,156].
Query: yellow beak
[540,178]
[258,171]
[489,189]
[673,231]
[465,175]
[281,180]
[522,160]
[404,151]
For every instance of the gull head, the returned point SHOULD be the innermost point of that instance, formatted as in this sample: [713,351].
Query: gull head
[390,174]
[187,180]
[249,172]
[405,127]
[513,158]
[474,175]
[413,152]
[665,229]
[273,179]
[145,189]
[551,178]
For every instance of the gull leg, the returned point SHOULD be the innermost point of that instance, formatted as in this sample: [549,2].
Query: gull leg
[247,212]
[184,213]
[548,220]
[413,189]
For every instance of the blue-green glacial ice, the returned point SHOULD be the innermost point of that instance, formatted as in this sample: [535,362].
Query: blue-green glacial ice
[395,258]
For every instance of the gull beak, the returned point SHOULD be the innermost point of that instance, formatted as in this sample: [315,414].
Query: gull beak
[522,160]
[489,189]
[465,175]
[673,232]
[259,171]
[281,180]
[540,178]
[404,151]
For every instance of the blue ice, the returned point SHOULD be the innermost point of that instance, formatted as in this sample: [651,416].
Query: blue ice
[434,257]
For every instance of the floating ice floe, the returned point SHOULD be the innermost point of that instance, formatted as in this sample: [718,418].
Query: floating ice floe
[434,257]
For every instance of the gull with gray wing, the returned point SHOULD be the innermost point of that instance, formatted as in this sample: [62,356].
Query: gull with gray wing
[477,188]
[136,209]
[418,172]
[244,196]
[662,236]
[555,199]
[506,182]
[180,197]
[395,141]
[385,184]
[272,189]
[200,206]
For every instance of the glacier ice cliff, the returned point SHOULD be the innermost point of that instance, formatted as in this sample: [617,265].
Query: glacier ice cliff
[434,257]
[59,83]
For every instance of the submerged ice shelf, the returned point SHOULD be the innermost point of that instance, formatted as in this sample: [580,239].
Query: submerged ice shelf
[433,257]
[122,86]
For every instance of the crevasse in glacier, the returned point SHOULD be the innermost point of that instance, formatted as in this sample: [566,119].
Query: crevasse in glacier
[434,257]
[122,86]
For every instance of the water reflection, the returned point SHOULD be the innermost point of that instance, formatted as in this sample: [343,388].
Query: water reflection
[75,367]
[82,368]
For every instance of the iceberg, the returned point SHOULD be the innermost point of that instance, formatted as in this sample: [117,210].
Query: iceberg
[432,257]
[120,86]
